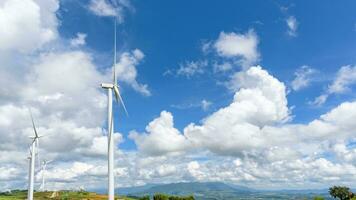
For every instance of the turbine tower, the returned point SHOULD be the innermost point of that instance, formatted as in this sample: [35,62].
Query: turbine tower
[43,171]
[29,173]
[33,151]
[110,87]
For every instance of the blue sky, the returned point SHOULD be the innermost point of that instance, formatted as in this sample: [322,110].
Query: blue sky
[170,33]
[256,93]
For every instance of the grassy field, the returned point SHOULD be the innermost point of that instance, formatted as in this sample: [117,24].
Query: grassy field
[60,195]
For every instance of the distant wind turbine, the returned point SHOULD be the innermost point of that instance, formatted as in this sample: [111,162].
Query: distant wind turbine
[110,87]
[43,171]
[33,151]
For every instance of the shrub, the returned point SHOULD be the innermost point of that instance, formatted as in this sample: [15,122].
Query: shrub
[318,198]
[160,197]
[145,198]
[166,197]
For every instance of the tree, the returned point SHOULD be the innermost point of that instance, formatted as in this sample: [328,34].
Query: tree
[340,192]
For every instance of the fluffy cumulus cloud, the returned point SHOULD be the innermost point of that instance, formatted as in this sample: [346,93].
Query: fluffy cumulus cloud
[161,137]
[229,50]
[62,87]
[260,101]
[254,143]
[345,77]
[54,88]
[242,47]
[126,70]
[23,19]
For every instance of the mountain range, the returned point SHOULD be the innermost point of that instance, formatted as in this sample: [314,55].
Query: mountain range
[219,190]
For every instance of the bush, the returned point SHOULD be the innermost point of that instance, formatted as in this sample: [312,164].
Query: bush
[166,197]
[160,197]
[145,198]
[318,198]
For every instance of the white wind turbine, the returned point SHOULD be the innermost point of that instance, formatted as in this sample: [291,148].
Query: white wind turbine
[43,171]
[110,87]
[33,151]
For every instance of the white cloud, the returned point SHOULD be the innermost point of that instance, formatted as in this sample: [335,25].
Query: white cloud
[106,8]
[344,153]
[193,168]
[24,19]
[190,68]
[165,170]
[266,150]
[205,104]
[303,77]
[126,70]
[161,137]
[242,47]
[259,101]
[320,100]
[79,40]
[345,77]
[292,24]
[7,174]
[223,67]
[206,47]
[102,8]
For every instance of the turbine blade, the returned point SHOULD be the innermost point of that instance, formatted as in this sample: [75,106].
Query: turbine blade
[33,123]
[117,93]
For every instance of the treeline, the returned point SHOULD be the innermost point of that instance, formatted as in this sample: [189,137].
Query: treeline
[167,197]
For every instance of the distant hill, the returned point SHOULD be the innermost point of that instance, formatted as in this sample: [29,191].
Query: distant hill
[198,189]
[193,188]
[133,190]
[219,190]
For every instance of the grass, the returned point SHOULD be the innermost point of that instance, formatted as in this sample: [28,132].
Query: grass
[60,195]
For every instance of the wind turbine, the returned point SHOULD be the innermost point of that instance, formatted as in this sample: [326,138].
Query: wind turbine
[110,87]
[33,151]
[43,171]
